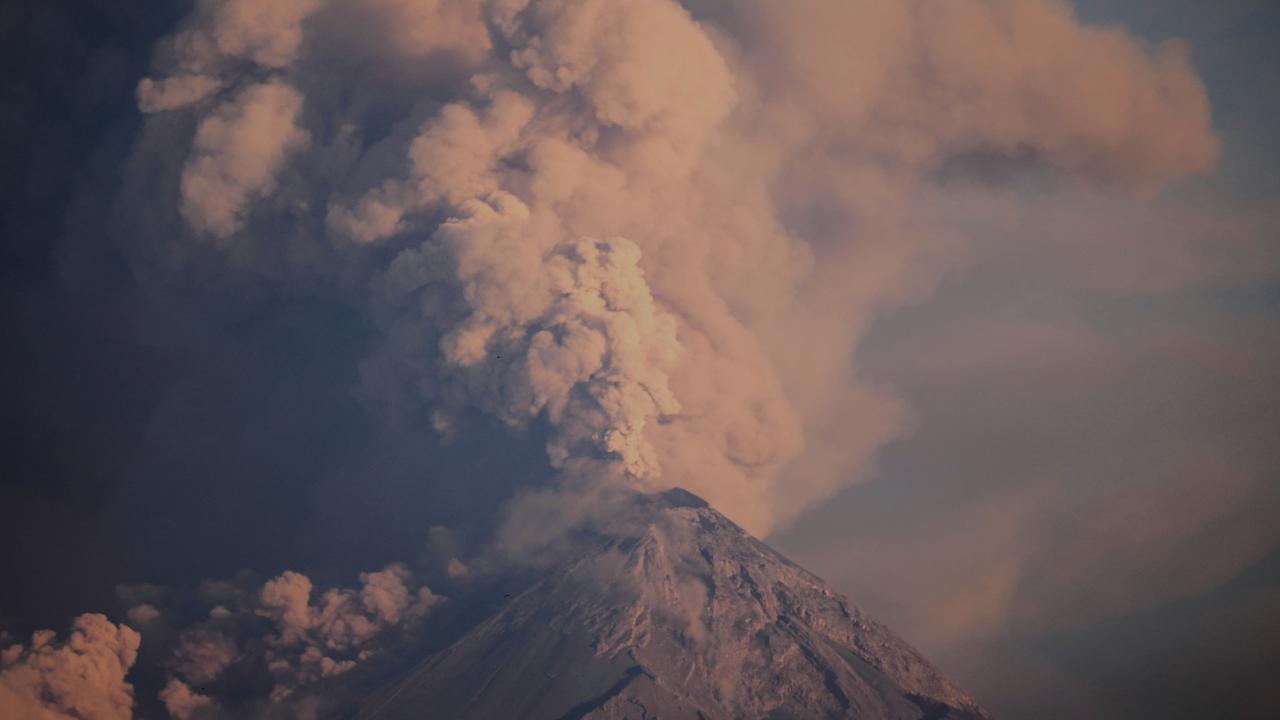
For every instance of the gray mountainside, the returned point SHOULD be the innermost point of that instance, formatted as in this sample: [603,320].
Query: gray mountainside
[674,613]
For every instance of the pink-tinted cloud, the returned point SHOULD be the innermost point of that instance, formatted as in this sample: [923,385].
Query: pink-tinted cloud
[82,677]
[719,335]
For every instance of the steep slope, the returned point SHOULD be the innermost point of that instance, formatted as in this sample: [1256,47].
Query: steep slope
[674,612]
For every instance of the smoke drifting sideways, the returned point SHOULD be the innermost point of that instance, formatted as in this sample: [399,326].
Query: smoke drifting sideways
[83,677]
[261,650]
[651,232]
[257,652]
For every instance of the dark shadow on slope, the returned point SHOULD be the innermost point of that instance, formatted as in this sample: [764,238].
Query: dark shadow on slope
[580,710]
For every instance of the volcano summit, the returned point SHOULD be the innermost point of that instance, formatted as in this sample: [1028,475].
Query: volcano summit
[674,612]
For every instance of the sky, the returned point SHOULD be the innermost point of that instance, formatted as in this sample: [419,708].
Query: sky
[983,332]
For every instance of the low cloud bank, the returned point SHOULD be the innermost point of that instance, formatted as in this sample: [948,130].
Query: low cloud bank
[82,677]
[280,646]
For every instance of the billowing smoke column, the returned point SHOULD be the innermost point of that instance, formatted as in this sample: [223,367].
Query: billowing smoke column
[657,228]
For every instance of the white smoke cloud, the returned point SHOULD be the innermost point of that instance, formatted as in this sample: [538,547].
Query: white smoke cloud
[143,614]
[659,233]
[574,336]
[309,636]
[220,33]
[269,33]
[202,654]
[238,150]
[181,702]
[343,619]
[82,678]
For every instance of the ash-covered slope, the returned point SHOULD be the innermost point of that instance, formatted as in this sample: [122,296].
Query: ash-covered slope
[674,612]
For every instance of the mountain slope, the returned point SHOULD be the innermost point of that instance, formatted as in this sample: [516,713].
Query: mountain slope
[674,612]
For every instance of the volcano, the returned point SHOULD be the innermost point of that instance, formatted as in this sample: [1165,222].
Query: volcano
[673,612]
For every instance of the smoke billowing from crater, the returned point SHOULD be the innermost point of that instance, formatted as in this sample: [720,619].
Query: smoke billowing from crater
[608,217]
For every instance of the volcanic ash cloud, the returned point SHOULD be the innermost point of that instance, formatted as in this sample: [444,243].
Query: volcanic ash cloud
[83,677]
[658,229]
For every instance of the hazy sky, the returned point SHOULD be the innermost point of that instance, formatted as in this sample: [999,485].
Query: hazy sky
[1086,520]
[1032,428]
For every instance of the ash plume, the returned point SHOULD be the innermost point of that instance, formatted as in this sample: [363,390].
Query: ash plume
[81,677]
[582,213]
[590,214]
[278,648]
